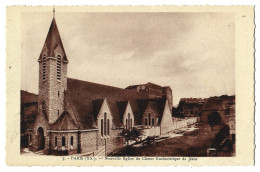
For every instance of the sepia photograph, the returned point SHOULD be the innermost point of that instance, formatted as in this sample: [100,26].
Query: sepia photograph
[116,84]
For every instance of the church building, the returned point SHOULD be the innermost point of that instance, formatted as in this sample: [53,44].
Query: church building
[77,117]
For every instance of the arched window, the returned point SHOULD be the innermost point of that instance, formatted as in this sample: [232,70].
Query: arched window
[63,141]
[126,123]
[55,141]
[145,121]
[131,125]
[71,140]
[58,67]
[101,127]
[129,121]
[108,127]
[149,119]
[30,138]
[152,122]
[105,123]
[44,67]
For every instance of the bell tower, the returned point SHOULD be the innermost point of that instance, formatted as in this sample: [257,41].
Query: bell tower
[52,75]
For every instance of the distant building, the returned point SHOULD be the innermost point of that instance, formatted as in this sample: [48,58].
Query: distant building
[220,109]
[29,110]
[190,107]
[154,91]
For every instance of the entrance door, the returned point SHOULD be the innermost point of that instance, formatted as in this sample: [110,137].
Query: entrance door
[41,140]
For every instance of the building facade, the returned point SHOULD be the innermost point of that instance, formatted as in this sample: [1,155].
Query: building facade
[220,110]
[190,107]
[77,117]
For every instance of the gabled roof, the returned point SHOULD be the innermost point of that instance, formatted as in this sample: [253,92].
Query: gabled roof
[154,86]
[139,106]
[154,107]
[149,84]
[86,99]
[217,103]
[53,40]
[65,122]
[121,108]
[132,87]
[27,97]
[29,108]
[97,106]
[83,101]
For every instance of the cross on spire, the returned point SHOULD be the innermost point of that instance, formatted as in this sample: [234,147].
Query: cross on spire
[53,12]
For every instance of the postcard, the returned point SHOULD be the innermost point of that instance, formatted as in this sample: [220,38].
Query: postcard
[130,85]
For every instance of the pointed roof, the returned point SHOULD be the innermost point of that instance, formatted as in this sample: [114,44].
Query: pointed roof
[86,98]
[53,40]
[65,122]
[122,108]
[217,103]
[97,104]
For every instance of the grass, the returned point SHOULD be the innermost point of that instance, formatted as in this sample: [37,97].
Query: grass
[194,143]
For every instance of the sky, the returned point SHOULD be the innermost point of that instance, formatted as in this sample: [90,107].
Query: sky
[193,53]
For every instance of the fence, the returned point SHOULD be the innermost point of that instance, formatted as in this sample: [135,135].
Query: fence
[177,124]
[181,123]
[154,131]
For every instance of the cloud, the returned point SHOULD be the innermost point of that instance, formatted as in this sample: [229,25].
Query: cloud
[191,52]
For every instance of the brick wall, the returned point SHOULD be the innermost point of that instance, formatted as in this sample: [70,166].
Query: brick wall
[88,141]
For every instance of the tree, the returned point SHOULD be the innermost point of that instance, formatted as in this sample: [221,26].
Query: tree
[214,119]
[134,134]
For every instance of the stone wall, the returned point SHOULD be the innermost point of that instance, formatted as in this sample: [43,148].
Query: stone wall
[51,90]
[70,146]
[40,121]
[88,141]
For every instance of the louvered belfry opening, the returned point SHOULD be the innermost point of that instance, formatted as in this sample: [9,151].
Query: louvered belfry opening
[59,67]
[44,68]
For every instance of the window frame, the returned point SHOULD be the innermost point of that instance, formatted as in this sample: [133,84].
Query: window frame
[44,67]
[55,141]
[108,127]
[63,140]
[71,140]
[102,127]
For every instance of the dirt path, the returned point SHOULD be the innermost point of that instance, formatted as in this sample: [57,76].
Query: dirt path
[193,143]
